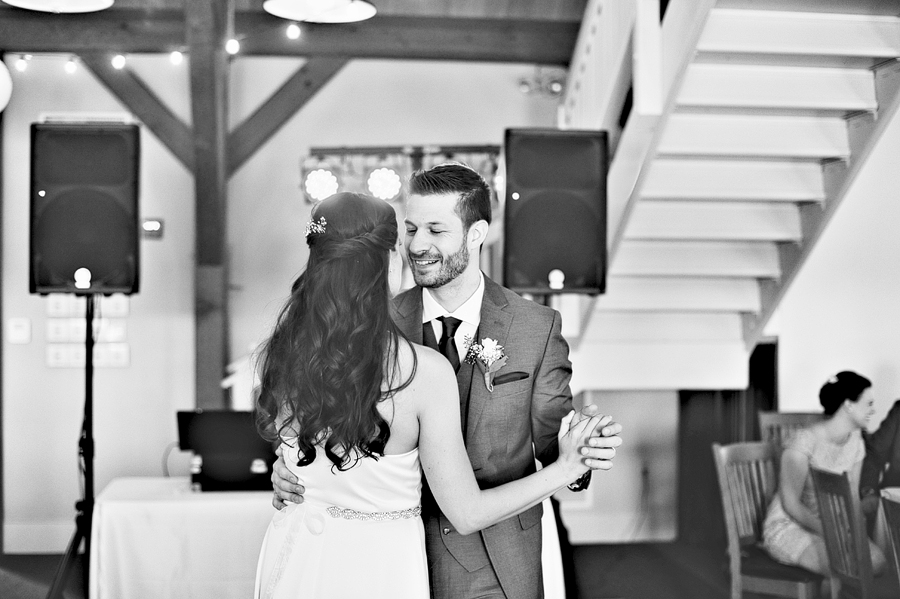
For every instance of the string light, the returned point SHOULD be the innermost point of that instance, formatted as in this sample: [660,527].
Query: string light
[118,62]
[232,46]
[176,57]
[293,31]
[22,63]
[547,82]
[70,66]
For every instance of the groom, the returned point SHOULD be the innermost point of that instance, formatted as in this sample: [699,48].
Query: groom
[448,213]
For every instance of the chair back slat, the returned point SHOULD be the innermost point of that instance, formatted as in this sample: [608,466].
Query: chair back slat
[776,427]
[846,541]
[747,480]
[891,509]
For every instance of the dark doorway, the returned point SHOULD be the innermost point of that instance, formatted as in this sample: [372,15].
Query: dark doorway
[709,417]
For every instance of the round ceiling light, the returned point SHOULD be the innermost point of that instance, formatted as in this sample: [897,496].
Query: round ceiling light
[61,6]
[358,10]
[5,86]
[301,10]
[321,11]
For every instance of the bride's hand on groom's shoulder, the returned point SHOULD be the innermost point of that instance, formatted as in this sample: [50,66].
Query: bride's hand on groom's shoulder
[285,484]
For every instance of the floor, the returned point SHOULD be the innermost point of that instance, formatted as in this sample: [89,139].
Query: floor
[638,571]
[30,576]
[635,571]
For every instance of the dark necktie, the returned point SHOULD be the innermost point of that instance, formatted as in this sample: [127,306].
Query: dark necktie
[447,344]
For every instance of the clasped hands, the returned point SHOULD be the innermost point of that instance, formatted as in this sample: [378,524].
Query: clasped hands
[602,441]
[597,455]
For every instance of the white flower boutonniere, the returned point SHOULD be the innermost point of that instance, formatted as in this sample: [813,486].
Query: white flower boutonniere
[488,356]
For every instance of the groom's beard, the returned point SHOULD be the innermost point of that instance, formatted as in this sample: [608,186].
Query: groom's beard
[449,268]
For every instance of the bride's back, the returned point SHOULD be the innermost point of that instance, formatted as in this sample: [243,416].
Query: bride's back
[401,411]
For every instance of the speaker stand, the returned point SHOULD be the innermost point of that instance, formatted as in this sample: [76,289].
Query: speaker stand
[85,507]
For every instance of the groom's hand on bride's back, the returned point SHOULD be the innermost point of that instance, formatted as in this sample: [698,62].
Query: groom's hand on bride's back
[286,486]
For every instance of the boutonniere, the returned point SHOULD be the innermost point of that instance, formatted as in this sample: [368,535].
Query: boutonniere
[488,356]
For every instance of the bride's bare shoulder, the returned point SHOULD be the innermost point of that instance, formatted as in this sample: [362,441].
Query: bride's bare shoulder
[431,368]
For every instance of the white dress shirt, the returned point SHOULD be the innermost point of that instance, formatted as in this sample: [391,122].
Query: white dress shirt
[469,313]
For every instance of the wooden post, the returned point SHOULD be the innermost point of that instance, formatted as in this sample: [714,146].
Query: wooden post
[209,24]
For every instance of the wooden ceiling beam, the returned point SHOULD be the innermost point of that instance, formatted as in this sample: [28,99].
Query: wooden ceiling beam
[545,10]
[208,24]
[415,38]
[281,106]
[137,96]
[111,30]
[261,34]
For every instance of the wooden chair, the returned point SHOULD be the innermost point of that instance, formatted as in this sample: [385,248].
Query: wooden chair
[747,482]
[891,509]
[774,427]
[846,541]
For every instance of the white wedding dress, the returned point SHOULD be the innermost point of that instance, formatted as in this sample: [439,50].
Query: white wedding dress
[358,533]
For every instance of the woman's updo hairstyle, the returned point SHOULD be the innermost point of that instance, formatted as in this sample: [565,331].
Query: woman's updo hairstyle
[842,386]
[348,224]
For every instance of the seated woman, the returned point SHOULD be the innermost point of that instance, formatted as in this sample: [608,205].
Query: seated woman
[792,531]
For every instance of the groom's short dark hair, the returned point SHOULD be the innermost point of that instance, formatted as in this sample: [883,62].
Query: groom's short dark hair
[454,177]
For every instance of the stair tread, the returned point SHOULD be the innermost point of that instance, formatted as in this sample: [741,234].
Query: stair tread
[754,136]
[800,33]
[761,86]
[761,221]
[696,258]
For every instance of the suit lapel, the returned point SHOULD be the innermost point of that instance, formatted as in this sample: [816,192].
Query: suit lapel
[495,324]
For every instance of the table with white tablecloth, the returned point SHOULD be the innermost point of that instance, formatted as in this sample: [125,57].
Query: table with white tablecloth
[154,537]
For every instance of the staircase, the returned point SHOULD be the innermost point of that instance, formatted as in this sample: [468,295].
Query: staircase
[765,111]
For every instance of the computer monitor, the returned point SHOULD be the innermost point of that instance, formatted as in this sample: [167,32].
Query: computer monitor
[234,456]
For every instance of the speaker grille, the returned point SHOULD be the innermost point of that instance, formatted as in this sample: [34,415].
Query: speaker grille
[99,236]
[551,228]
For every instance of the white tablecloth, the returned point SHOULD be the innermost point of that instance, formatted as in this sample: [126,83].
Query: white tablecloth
[155,538]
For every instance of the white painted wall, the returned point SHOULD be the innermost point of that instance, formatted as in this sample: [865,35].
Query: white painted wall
[622,505]
[842,312]
[134,407]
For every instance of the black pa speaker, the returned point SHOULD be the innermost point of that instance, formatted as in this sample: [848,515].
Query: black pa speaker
[554,221]
[84,208]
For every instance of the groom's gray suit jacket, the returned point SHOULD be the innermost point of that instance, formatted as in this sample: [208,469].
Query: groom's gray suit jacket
[531,394]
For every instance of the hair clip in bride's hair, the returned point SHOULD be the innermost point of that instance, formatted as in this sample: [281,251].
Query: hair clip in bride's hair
[316,226]
[832,380]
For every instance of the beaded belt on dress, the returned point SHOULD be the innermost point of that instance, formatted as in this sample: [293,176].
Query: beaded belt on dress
[348,514]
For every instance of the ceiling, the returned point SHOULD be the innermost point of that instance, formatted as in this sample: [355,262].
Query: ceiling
[530,31]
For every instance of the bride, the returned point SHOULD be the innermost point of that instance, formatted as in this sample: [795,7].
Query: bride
[360,413]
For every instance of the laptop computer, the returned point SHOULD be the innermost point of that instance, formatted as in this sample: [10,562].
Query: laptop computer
[234,456]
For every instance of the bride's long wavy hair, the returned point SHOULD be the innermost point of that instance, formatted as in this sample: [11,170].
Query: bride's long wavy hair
[333,355]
